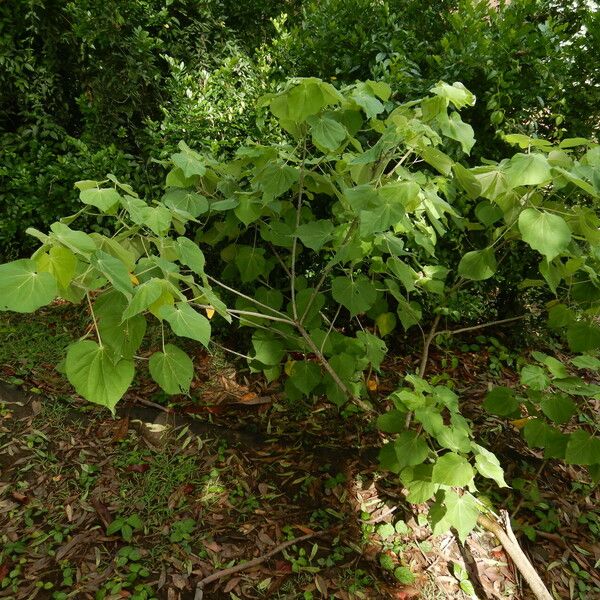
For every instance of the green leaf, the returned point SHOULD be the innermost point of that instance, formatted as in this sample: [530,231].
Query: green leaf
[452,469]
[544,232]
[456,93]
[388,459]
[95,376]
[501,401]
[267,349]
[558,408]
[393,421]
[534,377]
[404,575]
[60,262]
[488,213]
[314,234]
[105,199]
[185,202]
[114,270]
[191,255]
[375,348]
[23,289]
[582,449]
[357,295]
[488,465]
[583,337]
[189,163]
[172,369]
[79,242]
[455,128]
[528,169]
[277,178]
[585,361]
[158,219]
[462,512]
[326,133]
[305,375]
[145,294]
[467,181]
[386,323]
[478,264]
[411,449]
[186,322]
[251,262]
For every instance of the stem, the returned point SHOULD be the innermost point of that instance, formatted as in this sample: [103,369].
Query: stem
[261,315]
[94,319]
[508,540]
[231,351]
[295,240]
[249,564]
[343,387]
[253,300]
[482,326]
[327,269]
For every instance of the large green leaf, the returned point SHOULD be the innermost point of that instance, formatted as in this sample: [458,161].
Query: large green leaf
[452,469]
[277,178]
[105,199]
[172,369]
[544,232]
[528,169]
[186,322]
[411,449]
[191,255]
[478,264]
[314,234]
[23,289]
[185,202]
[558,407]
[305,375]
[145,295]
[188,161]
[357,295]
[78,241]
[501,401]
[114,270]
[94,375]
[327,133]
[488,465]
[583,337]
[251,262]
[582,449]
[267,349]
[462,512]
[534,377]
[60,262]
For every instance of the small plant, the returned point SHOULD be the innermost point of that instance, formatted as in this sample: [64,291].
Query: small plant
[126,526]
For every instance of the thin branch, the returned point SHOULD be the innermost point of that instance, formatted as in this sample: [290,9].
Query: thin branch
[295,240]
[336,378]
[231,351]
[199,595]
[482,326]
[328,268]
[241,295]
[510,543]
[250,313]
[94,319]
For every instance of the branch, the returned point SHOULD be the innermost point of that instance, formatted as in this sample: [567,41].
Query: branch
[260,315]
[482,326]
[295,240]
[336,378]
[247,565]
[511,545]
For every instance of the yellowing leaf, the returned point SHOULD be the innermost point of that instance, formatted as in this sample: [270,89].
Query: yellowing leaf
[289,366]
[134,279]
[520,423]
[372,385]
[209,312]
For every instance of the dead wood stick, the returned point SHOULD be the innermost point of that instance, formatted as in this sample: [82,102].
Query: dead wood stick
[251,563]
[507,538]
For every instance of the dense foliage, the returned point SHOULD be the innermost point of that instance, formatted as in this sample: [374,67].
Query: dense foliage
[322,246]
[90,88]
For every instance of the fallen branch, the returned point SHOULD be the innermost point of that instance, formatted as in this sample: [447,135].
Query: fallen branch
[507,538]
[199,595]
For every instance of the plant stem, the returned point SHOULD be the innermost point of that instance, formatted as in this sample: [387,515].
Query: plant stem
[238,293]
[482,326]
[87,295]
[343,387]
[295,240]
[261,315]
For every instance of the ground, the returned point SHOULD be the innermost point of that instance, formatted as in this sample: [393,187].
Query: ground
[147,504]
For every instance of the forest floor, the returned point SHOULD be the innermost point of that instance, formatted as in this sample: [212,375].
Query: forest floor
[149,503]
